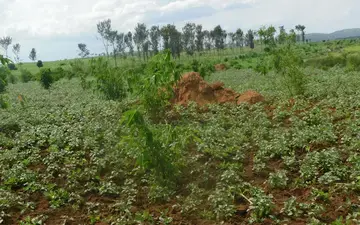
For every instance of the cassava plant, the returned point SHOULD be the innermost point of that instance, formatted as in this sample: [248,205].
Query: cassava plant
[150,153]
[156,88]
[46,78]
[287,63]
[110,81]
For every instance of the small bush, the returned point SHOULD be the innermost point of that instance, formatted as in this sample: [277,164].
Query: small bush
[39,64]
[195,65]
[353,62]
[4,73]
[46,78]
[12,66]
[110,81]
[25,75]
[3,103]
[327,62]
[59,73]
[287,63]
[79,69]
[12,79]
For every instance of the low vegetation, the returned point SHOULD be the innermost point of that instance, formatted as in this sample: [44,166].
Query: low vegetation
[90,143]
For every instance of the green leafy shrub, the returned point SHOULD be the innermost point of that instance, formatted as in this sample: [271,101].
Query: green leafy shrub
[12,66]
[4,73]
[59,73]
[156,87]
[46,78]
[278,179]
[79,69]
[25,75]
[148,150]
[288,64]
[12,79]
[195,65]
[39,64]
[3,103]
[261,205]
[353,62]
[110,81]
[327,62]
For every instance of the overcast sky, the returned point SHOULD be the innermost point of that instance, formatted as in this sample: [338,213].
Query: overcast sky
[55,27]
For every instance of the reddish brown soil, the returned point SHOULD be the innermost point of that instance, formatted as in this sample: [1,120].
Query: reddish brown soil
[220,67]
[251,97]
[193,88]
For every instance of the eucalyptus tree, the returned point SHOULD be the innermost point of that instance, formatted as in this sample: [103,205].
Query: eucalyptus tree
[104,29]
[155,36]
[128,39]
[32,54]
[249,38]
[199,41]
[165,35]
[231,38]
[188,38]
[84,52]
[5,42]
[175,41]
[301,29]
[112,36]
[140,38]
[16,51]
[207,40]
[239,38]
[120,43]
[219,36]
[282,35]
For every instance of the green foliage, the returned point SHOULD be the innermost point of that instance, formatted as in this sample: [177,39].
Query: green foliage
[57,197]
[12,79]
[59,73]
[261,206]
[278,179]
[4,60]
[46,78]
[79,69]
[39,64]
[11,66]
[3,103]
[109,81]
[4,73]
[150,153]
[155,88]
[25,75]
[287,63]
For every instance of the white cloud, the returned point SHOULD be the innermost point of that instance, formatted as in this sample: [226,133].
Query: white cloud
[33,21]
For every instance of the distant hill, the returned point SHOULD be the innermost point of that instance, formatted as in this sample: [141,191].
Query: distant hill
[341,34]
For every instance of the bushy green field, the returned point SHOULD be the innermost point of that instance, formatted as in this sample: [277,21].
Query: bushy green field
[70,156]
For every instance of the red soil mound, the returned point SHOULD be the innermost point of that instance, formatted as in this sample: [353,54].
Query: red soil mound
[220,67]
[192,87]
[251,97]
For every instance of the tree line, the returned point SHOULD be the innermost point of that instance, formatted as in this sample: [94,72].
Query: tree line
[190,39]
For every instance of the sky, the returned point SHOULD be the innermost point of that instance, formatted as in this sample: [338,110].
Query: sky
[55,27]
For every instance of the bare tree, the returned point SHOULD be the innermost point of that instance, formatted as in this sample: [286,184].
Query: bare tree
[128,38]
[104,29]
[155,35]
[16,52]
[140,38]
[5,42]
[301,28]
[32,54]
[84,52]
